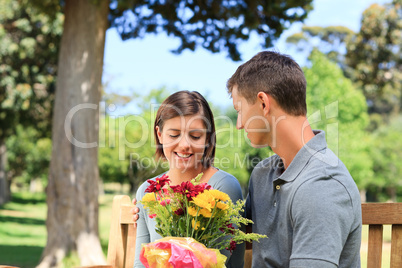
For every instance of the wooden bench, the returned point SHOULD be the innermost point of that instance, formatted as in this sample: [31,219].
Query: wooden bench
[121,248]
[376,215]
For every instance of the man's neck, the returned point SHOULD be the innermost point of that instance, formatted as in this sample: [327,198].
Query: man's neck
[291,135]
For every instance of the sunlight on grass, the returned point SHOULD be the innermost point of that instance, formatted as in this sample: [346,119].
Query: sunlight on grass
[23,228]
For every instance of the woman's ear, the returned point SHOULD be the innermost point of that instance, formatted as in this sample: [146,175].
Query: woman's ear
[263,98]
[159,133]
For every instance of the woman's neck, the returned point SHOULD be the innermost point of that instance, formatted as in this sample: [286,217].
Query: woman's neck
[177,176]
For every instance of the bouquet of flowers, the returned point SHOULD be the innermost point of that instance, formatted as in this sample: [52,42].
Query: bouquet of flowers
[193,210]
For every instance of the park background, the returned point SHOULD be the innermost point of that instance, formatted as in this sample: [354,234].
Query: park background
[350,52]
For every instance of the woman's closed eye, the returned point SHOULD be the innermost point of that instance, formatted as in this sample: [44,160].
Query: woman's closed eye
[174,136]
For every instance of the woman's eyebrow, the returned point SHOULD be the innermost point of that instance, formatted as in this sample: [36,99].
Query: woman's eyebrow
[198,130]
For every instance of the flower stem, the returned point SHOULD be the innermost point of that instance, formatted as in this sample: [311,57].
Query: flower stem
[212,214]
[195,222]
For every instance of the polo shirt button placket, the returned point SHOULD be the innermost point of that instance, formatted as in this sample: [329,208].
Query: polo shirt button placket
[278,187]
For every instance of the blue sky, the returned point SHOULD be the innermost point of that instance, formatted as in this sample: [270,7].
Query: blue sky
[139,65]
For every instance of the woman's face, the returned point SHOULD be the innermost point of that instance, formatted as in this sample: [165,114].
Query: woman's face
[183,139]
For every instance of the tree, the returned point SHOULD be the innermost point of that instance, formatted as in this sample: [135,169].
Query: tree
[336,106]
[370,58]
[374,58]
[29,41]
[28,156]
[387,152]
[73,180]
[329,40]
[72,191]
[214,25]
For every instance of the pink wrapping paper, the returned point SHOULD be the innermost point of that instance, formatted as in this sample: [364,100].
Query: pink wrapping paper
[180,252]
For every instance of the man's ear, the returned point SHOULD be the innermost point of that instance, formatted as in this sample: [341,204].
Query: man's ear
[159,133]
[263,98]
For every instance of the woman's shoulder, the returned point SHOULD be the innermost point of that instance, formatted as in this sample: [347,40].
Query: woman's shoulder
[224,176]
[227,183]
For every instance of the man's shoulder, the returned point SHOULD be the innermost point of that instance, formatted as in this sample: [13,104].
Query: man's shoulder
[327,164]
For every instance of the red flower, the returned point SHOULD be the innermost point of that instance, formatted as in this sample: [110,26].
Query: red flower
[206,186]
[189,189]
[176,188]
[151,216]
[179,212]
[230,227]
[165,202]
[232,246]
[157,184]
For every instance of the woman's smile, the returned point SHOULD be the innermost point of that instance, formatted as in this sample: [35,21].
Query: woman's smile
[183,156]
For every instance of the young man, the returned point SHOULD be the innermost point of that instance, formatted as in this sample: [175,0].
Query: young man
[303,198]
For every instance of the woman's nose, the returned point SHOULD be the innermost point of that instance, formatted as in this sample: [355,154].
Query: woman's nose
[184,143]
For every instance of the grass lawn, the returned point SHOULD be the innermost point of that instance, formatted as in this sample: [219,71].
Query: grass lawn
[23,231]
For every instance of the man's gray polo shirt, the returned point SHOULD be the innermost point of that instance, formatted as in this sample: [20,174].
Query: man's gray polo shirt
[311,212]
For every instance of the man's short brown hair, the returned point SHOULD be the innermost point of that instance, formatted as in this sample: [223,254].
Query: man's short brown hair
[275,74]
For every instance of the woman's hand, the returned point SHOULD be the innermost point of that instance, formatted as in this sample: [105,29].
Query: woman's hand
[135,210]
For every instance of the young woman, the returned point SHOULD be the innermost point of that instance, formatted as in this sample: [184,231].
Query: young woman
[185,136]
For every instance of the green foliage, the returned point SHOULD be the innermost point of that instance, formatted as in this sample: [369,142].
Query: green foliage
[336,106]
[214,25]
[28,54]
[386,150]
[370,58]
[28,155]
[127,146]
[374,58]
[329,40]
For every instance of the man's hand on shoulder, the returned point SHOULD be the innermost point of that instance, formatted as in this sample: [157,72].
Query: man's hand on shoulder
[135,210]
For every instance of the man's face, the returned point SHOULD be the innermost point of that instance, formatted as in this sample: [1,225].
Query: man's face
[250,117]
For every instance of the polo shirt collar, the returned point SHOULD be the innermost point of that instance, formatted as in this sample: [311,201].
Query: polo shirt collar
[311,148]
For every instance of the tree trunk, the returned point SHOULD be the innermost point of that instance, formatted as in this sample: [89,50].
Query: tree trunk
[72,191]
[5,193]
[363,195]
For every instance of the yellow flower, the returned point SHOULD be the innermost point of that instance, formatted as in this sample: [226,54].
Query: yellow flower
[222,206]
[205,200]
[192,211]
[206,213]
[149,197]
[219,195]
[196,225]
